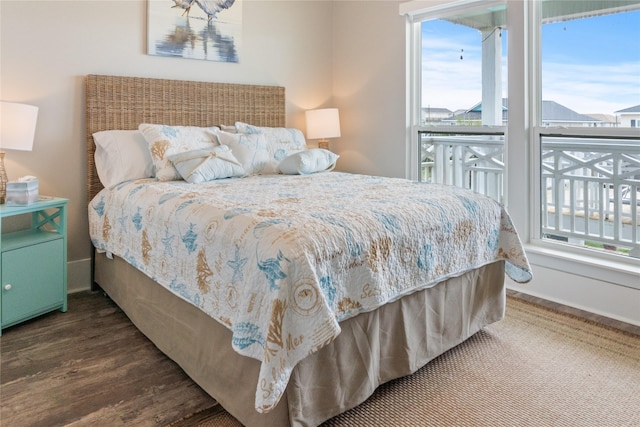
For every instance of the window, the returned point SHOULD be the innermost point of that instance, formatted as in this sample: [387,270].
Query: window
[557,142]
[462,103]
[463,74]
[590,62]
[590,80]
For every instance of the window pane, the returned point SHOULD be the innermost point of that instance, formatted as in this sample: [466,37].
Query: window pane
[464,69]
[590,192]
[590,63]
[590,182]
[472,160]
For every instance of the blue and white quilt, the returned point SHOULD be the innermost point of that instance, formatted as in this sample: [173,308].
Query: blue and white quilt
[281,260]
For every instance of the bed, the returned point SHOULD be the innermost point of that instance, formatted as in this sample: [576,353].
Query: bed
[285,297]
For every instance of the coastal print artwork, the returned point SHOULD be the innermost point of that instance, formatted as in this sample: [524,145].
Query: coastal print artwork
[210,30]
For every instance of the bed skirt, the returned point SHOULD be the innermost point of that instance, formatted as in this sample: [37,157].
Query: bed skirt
[373,348]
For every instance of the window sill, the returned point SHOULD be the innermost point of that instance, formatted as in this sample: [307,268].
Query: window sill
[624,272]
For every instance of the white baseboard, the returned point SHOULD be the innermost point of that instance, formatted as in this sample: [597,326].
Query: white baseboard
[603,298]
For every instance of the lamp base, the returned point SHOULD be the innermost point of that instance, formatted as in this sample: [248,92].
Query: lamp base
[3,180]
[324,144]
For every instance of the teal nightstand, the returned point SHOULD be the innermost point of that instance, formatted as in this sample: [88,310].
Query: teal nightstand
[33,262]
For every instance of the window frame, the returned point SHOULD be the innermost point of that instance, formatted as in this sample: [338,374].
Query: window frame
[522,136]
[565,257]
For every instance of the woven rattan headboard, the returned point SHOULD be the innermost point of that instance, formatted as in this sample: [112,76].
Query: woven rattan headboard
[125,102]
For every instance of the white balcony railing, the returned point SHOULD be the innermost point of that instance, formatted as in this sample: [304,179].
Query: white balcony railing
[594,183]
[469,161]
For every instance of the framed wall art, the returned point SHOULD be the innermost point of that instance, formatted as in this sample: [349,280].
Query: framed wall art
[210,30]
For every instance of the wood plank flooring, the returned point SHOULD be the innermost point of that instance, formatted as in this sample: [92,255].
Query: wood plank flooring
[104,371]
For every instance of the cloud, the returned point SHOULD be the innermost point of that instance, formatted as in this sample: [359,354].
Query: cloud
[592,88]
[451,67]
[449,82]
[586,82]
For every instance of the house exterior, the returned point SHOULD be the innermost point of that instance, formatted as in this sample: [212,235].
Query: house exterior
[629,117]
[605,120]
[435,115]
[553,114]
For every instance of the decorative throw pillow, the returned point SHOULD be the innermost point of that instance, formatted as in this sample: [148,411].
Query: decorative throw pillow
[292,138]
[208,164]
[165,141]
[308,161]
[252,150]
[121,155]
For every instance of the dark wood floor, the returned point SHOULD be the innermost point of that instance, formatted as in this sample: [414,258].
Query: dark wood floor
[69,368]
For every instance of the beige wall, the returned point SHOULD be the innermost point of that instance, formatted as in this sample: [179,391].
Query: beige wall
[369,86]
[344,54]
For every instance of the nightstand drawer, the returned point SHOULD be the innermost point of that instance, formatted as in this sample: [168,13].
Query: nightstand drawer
[32,280]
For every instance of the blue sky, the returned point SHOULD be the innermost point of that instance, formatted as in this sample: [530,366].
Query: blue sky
[590,65]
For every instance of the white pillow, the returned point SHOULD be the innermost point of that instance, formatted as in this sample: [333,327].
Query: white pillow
[121,155]
[251,150]
[308,161]
[199,166]
[165,141]
[292,138]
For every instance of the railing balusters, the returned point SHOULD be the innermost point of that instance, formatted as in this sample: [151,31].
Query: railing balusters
[583,181]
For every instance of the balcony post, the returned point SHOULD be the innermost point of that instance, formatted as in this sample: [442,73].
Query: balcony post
[492,76]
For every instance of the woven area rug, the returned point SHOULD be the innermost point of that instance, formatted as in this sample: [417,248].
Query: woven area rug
[537,367]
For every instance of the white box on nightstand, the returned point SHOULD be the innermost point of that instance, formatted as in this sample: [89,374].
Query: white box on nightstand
[22,192]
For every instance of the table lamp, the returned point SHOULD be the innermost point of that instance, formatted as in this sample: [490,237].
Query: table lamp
[17,128]
[322,124]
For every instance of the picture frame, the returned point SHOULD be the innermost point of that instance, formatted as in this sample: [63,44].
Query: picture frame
[209,30]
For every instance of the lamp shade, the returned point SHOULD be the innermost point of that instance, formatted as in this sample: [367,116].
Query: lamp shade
[323,123]
[17,126]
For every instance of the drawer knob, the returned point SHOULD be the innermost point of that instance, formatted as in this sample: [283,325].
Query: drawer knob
[7,287]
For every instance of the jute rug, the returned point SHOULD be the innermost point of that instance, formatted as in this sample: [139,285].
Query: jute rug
[537,367]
